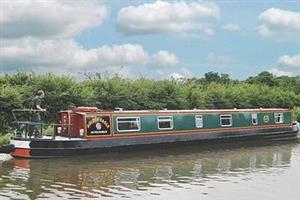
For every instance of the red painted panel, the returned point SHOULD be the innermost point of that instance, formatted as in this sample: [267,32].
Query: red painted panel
[22,153]
[64,119]
[76,117]
[78,122]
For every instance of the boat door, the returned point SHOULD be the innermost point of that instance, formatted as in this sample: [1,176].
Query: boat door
[97,126]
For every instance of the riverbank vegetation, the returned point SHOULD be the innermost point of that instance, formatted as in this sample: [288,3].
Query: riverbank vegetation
[212,91]
[4,138]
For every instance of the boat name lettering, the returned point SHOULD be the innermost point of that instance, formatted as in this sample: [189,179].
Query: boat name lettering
[96,120]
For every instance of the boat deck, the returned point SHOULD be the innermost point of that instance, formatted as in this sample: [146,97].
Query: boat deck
[57,138]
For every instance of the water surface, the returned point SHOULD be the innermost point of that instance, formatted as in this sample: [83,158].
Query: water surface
[240,171]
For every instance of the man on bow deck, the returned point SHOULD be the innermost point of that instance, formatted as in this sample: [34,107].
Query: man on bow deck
[36,117]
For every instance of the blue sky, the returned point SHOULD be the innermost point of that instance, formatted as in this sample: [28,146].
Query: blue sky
[155,39]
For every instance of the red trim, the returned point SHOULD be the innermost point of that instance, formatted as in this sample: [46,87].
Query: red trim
[121,135]
[184,132]
[174,112]
[19,152]
[171,112]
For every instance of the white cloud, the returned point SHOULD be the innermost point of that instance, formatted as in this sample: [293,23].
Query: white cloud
[264,31]
[68,54]
[122,71]
[232,27]
[164,58]
[278,22]
[186,72]
[291,62]
[217,59]
[287,66]
[165,17]
[182,74]
[49,18]
[176,76]
[39,36]
[278,72]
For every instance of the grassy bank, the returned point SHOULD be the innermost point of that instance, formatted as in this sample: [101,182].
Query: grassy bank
[4,138]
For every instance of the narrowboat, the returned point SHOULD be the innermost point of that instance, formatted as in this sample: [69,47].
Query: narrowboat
[89,130]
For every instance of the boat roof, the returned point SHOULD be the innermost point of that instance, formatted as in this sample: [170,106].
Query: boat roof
[206,110]
[165,111]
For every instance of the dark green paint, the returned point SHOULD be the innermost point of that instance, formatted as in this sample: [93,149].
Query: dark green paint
[210,121]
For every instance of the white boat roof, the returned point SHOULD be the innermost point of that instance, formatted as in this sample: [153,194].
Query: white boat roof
[204,110]
[123,111]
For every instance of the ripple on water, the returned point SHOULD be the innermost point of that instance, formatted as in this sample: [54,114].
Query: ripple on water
[257,171]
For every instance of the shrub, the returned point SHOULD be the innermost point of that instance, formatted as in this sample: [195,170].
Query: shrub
[296,113]
[5,138]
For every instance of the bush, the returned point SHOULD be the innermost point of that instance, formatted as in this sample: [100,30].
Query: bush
[296,113]
[214,91]
[5,138]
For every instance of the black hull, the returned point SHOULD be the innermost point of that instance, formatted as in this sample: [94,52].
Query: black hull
[6,148]
[48,149]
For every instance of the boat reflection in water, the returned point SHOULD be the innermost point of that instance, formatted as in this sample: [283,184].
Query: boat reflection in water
[135,174]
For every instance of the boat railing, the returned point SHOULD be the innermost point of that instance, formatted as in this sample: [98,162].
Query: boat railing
[27,128]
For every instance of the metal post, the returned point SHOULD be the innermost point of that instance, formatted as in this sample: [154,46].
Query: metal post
[54,131]
[27,130]
[41,130]
[69,132]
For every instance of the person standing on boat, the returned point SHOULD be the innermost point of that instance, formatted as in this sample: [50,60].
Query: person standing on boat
[36,116]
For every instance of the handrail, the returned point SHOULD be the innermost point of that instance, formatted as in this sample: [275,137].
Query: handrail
[31,123]
[27,109]
[42,124]
[24,110]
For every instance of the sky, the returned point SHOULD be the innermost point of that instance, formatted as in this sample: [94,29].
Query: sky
[152,39]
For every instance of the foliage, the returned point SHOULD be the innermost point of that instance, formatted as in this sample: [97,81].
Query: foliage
[213,91]
[4,139]
[296,113]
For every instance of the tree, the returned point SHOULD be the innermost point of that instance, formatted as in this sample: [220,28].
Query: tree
[265,78]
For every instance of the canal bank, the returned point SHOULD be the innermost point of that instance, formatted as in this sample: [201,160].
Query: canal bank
[5,157]
[4,139]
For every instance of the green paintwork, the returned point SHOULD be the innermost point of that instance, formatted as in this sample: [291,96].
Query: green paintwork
[210,121]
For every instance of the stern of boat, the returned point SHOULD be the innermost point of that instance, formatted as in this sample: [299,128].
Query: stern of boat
[21,148]
[296,127]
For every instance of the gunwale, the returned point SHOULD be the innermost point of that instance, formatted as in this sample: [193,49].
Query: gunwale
[116,135]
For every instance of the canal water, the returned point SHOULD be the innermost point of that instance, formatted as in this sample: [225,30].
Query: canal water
[265,171]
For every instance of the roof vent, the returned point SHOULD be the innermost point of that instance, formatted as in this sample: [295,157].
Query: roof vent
[118,109]
[85,109]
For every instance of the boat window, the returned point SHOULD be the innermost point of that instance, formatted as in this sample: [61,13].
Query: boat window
[254,119]
[226,120]
[128,124]
[165,122]
[199,121]
[278,117]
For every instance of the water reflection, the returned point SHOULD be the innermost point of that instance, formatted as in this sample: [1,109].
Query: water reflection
[132,174]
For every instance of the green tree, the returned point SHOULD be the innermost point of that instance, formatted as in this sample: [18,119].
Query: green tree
[265,78]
